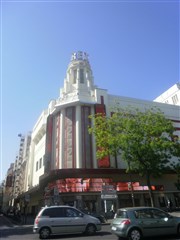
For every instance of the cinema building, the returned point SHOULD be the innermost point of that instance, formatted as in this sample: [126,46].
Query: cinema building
[63,168]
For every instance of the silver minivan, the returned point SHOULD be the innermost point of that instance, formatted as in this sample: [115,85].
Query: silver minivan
[64,220]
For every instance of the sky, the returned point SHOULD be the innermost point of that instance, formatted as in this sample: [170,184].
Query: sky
[133,49]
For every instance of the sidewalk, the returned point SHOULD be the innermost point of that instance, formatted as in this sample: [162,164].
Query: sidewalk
[23,221]
[29,220]
[176,214]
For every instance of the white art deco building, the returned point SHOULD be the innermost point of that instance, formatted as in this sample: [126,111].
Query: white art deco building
[170,96]
[63,168]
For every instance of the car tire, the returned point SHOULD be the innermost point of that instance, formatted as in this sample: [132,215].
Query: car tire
[44,233]
[135,234]
[90,229]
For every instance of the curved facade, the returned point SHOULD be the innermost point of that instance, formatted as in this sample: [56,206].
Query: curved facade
[63,154]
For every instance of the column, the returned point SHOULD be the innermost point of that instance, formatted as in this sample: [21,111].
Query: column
[61,155]
[78,138]
[95,165]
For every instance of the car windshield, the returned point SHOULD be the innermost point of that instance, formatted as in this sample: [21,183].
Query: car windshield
[121,214]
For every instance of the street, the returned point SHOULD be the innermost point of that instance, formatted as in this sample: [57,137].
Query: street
[14,232]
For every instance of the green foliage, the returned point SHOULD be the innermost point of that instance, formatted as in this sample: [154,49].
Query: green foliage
[142,138]
[175,165]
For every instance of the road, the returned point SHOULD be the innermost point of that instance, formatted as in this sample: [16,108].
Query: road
[14,232]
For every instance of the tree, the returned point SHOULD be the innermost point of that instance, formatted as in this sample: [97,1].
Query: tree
[142,138]
[175,165]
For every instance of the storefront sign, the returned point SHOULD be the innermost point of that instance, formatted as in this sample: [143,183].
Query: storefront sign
[108,192]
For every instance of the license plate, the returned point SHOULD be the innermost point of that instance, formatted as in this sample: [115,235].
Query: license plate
[113,228]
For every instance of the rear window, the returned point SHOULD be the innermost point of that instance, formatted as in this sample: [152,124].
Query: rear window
[121,214]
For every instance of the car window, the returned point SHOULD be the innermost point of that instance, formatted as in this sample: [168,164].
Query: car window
[121,214]
[69,212]
[53,212]
[159,214]
[144,213]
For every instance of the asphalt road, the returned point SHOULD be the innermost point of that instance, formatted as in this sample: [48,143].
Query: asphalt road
[9,231]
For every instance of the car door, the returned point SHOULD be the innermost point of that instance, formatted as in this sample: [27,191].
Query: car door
[147,222]
[165,223]
[74,220]
[56,220]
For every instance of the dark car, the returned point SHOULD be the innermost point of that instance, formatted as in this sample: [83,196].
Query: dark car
[137,222]
[101,217]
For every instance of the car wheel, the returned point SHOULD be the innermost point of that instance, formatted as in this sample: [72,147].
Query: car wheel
[135,234]
[90,229]
[44,233]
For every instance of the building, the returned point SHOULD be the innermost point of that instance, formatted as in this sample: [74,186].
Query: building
[8,188]
[63,168]
[16,176]
[171,96]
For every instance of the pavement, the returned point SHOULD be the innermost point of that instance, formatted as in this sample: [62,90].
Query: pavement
[177,214]
[23,221]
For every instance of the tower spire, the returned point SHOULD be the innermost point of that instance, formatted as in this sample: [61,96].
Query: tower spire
[79,78]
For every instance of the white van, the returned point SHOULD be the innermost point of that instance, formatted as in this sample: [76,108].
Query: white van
[64,220]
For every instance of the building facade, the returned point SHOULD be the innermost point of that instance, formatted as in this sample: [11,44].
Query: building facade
[170,96]
[62,166]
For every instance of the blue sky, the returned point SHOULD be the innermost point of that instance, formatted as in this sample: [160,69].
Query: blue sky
[133,49]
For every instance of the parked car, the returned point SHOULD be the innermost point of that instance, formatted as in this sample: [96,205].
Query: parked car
[138,222]
[101,217]
[64,220]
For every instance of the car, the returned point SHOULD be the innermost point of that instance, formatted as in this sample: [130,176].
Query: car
[135,223]
[64,220]
[101,217]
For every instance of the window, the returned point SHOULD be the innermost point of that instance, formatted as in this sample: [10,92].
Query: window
[40,162]
[142,214]
[36,166]
[71,213]
[175,99]
[53,212]
[159,214]
[102,100]
[121,214]
[74,75]
[81,74]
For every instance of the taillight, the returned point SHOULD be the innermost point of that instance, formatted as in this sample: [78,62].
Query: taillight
[37,220]
[126,222]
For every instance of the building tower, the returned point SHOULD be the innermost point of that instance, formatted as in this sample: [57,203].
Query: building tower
[71,145]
